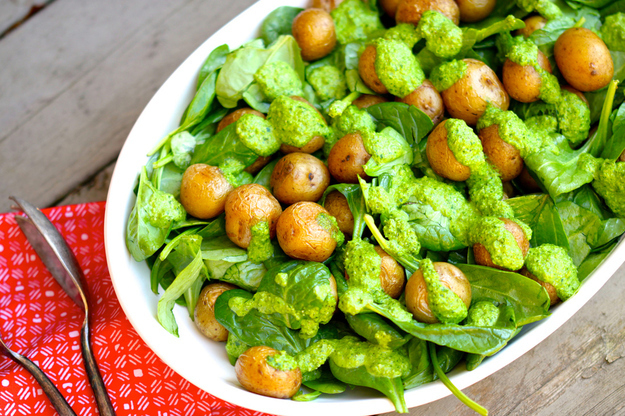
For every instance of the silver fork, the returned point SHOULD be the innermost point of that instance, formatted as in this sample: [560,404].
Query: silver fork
[56,398]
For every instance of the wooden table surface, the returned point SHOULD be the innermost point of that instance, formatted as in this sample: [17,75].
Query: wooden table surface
[74,78]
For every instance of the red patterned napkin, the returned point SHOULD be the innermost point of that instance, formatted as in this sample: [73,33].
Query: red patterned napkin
[39,320]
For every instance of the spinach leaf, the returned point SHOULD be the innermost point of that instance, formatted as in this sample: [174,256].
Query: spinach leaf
[278,23]
[170,179]
[408,120]
[540,214]
[421,367]
[432,227]
[355,83]
[527,298]
[615,145]
[596,99]
[245,274]
[615,7]
[356,202]
[200,104]
[264,176]
[377,330]
[215,60]
[223,146]
[222,248]
[256,99]
[448,358]
[593,261]
[327,383]
[593,3]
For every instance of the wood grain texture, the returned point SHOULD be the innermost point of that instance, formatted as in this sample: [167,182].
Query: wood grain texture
[79,75]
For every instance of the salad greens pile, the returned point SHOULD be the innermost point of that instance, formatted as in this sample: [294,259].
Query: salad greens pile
[415,215]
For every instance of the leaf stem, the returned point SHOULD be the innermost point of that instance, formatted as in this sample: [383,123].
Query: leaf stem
[443,377]
[407,262]
[580,23]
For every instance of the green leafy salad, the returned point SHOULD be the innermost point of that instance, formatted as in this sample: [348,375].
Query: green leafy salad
[370,193]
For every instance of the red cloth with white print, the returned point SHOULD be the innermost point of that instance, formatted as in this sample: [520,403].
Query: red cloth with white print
[39,320]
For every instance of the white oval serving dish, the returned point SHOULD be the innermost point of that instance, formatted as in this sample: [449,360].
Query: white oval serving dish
[204,363]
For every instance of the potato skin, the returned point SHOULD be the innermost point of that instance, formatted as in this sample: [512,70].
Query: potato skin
[204,314]
[410,11]
[551,291]
[441,157]
[347,158]
[475,10]
[468,97]
[505,157]
[392,275]
[427,99]
[326,5]
[301,236]
[312,146]
[523,82]
[314,31]
[583,59]
[482,256]
[532,24]
[299,177]
[203,191]
[235,116]
[258,164]
[527,182]
[366,69]
[257,376]
[337,206]
[389,6]
[367,100]
[246,206]
[417,295]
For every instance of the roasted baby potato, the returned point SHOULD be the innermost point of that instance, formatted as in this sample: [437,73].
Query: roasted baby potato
[468,97]
[299,177]
[482,256]
[246,206]
[314,31]
[327,5]
[258,164]
[392,275]
[410,11]
[366,69]
[426,99]
[347,158]
[417,294]
[337,206]
[527,182]
[442,159]
[204,314]
[551,291]
[312,146]
[532,24]
[505,157]
[367,100]
[475,10]
[583,59]
[204,190]
[389,6]
[257,376]
[235,116]
[523,82]
[301,234]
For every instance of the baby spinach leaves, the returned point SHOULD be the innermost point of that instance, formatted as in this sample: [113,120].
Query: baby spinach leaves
[540,214]
[222,147]
[377,330]
[278,23]
[615,145]
[356,202]
[408,120]
[432,227]
[215,60]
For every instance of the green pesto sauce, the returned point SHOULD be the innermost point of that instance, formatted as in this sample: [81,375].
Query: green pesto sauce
[541,126]
[384,146]
[401,235]
[573,117]
[397,67]
[500,243]
[403,32]
[256,133]
[278,78]
[294,122]
[552,264]
[447,74]
[512,130]
[464,143]
[446,306]
[260,248]
[483,313]
[610,184]
[163,209]
[443,37]
[328,223]
[282,361]
[354,20]
[328,82]
[349,352]
[235,347]
[613,32]
[282,279]
[315,355]
[233,171]
[546,8]
[353,120]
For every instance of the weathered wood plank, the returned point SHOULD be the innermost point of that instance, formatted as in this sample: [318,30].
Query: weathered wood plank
[77,77]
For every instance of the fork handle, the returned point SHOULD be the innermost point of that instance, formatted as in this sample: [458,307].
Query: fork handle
[93,373]
[55,396]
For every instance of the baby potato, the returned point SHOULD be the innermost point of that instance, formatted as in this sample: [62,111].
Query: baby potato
[508,190]
[468,97]
[551,290]
[523,82]
[527,182]
[203,191]
[347,158]
[622,157]
[475,10]
[583,59]
[505,157]
[366,69]
[441,157]
[204,314]
[312,146]
[392,275]
[417,294]
[300,234]
[235,116]
[246,206]
[257,376]
[299,177]
[326,5]
[426,99]
[337,206]
[389,6]
[314,31]
[367,100]
[578,93]
[482,256]
[532,24]
[410,11]
[258,164]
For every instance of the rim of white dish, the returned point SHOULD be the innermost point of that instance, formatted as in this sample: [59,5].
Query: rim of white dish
[159,117]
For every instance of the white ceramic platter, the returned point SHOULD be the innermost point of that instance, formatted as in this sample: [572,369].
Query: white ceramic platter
[204,363]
